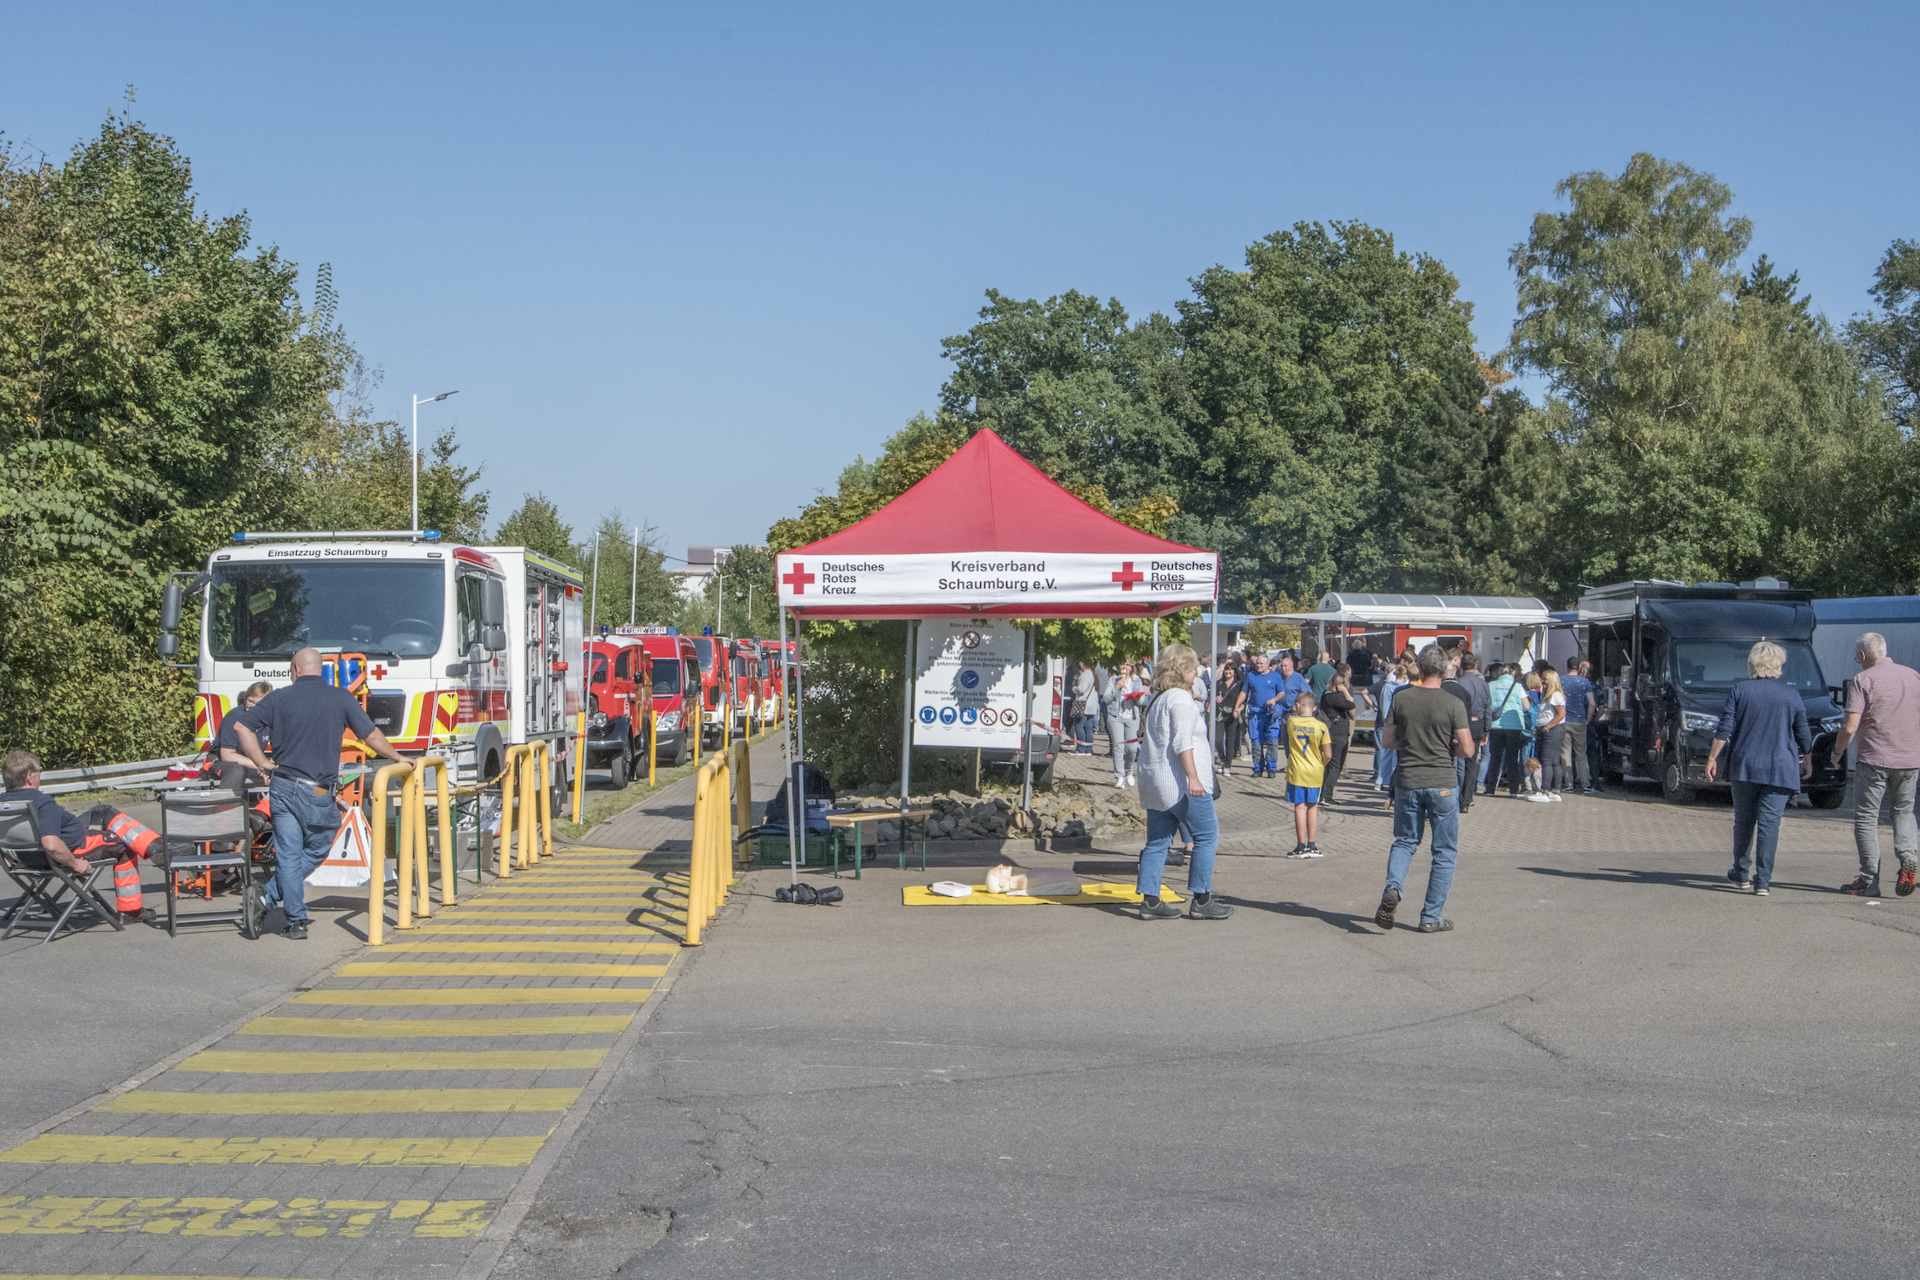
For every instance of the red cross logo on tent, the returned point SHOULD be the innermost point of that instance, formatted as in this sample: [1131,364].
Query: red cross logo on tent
[1128,575]
[798,578]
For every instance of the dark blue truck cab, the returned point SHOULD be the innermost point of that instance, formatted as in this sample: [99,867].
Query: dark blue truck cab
[1666,654]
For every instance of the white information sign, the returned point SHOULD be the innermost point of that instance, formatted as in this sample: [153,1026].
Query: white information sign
[966,687]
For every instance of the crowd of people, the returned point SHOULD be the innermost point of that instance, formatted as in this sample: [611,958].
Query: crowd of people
[1446,733]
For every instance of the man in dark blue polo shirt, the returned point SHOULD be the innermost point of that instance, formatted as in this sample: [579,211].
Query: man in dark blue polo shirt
[306,721]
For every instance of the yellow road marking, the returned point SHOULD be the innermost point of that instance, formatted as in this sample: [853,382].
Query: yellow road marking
[231,1217]
[500,969]
[531,889]
[557,945]
[524,928]
[476,995]
[268,1064]
[400,1028]
[551,915]
[339,1102]
[597,900]
[51,1148]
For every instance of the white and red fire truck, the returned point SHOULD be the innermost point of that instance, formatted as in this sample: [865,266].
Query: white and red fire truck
[469,650]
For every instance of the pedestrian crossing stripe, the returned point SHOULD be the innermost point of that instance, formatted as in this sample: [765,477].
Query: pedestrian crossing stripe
[649,905]
[557,946]
[233,1218]
[474,995]
[339,1102]
[402,1028]
[525,928]
[263,1064]
[499,969]
[626,916]
[401,1153]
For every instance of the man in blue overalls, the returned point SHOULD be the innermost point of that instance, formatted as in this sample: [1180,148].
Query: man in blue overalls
[1269,701]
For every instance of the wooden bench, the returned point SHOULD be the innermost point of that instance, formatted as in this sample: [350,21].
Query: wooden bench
[855,820]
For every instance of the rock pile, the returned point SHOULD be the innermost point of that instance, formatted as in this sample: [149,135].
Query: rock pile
[1064,812]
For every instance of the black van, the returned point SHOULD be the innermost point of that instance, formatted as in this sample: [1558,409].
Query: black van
[1664,656]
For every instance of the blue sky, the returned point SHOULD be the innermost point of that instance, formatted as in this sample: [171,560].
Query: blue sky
[687,261]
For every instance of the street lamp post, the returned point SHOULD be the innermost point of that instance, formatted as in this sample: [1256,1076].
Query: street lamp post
[417,402]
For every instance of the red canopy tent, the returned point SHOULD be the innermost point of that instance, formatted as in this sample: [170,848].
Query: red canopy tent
[988,535]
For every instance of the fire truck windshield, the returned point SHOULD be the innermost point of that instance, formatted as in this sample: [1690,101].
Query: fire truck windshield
[704,647]
[666,678]
[270,610]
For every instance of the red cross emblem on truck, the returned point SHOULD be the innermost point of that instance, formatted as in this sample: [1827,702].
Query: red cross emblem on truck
[798,578]
[1128,575]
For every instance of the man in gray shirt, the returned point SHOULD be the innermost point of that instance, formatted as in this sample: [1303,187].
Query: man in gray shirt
[1883,712]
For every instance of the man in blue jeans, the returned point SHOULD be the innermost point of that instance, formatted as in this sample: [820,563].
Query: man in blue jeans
[305,721]
[1428,727]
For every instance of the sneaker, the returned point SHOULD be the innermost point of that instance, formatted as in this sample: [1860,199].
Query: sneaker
[1389,901]
[1760,891]
[1554,796]
[1133,779]
[1743,885]
[296,931]
[1211,909]
[1158,910]
[1909,872]
[1310,851]
[1862,887]
[1442,926]
[1225,772]
[1119,782]
[1539,797]
[1298,851]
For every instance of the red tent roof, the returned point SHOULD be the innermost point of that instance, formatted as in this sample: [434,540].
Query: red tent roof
[987,499]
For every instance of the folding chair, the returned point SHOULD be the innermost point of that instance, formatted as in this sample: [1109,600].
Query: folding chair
[201,831]
[29,867]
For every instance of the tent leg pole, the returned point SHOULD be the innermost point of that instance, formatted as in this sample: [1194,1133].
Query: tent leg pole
[906,733]
[1213,682]
[1156,640]
[1026,726]
[788,667]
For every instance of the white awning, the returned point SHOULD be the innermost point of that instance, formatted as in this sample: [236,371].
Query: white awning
[1425,611]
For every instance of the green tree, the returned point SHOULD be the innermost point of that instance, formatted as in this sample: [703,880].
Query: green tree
[1301,378]
[157,375]
[1889,340]
[537,526]
[1716,423]
[629,587]
[1074,386]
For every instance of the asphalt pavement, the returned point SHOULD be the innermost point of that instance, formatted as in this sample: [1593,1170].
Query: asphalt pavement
[1615,1065]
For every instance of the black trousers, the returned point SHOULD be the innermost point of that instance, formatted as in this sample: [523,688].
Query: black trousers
[1505,745]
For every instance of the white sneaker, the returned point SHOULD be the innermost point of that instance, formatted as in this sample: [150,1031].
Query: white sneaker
[1133,779]
[1554,796]
[1119,782]
[1539,797]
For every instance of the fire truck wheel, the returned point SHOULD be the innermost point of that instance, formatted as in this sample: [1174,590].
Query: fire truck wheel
[617,770]
[680,754]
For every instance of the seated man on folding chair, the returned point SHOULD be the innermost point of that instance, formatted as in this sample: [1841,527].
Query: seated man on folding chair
[64,838]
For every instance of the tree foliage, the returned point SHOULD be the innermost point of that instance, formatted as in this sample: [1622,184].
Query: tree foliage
[1889,340]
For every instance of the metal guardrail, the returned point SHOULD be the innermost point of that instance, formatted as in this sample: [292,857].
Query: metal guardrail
[110,777]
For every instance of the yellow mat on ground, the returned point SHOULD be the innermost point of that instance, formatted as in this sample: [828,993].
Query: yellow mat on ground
[1093,894]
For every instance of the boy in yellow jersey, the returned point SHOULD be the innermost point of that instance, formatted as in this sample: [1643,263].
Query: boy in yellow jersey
[1309,748]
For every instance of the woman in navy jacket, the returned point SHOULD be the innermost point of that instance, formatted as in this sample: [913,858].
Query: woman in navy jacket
[1763,729]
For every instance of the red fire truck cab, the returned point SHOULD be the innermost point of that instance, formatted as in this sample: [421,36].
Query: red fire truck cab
[715,686]
[676,675]
[619,680]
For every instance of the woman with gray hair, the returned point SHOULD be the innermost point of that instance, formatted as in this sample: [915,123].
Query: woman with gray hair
[1763,730]
[1176,786]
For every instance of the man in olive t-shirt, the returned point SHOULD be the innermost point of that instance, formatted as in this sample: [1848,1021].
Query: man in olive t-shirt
[1428,727]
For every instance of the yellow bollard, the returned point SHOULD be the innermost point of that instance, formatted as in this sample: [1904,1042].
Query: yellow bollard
[404,854]
[525,856]
[702,819]
[742,793]
[726,726]
[699,706]
[579,765]
[377,856]
[509,772]
[653,748]
[443,795]
[544,755]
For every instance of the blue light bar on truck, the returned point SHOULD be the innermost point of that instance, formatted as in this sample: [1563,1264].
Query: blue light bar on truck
[336,535]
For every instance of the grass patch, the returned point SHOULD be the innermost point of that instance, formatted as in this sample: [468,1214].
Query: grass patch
[598,807]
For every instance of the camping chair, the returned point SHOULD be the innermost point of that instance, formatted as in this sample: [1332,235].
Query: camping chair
[29,867]
[200,831]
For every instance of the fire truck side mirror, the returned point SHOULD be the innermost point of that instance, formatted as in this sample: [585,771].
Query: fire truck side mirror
[496,639]
[493,609]
[170,608]
[169,644]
